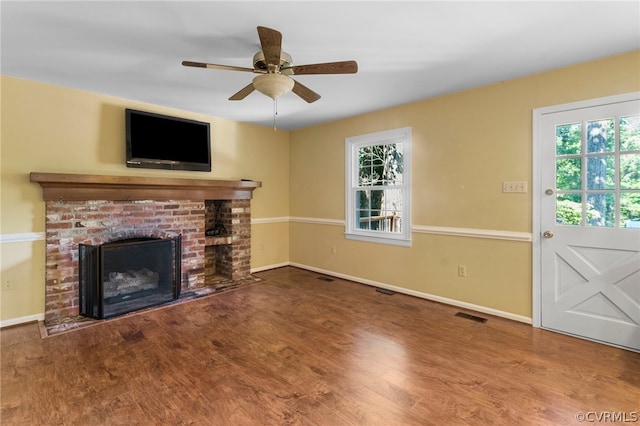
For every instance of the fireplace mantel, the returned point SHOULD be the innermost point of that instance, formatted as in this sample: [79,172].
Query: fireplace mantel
[79,187]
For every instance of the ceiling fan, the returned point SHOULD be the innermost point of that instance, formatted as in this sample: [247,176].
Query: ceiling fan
[275,68]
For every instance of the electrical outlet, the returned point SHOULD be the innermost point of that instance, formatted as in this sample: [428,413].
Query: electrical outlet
[514,186]
[462,271]
[333,250]
[7,285]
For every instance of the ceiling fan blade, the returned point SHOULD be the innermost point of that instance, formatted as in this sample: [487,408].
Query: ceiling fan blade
[304,92]
[344,67]
[271,42]
[243,93]
[216,66]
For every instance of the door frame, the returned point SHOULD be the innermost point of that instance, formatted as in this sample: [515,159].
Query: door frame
[536,264]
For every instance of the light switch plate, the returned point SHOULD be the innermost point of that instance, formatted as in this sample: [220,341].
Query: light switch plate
[514,186]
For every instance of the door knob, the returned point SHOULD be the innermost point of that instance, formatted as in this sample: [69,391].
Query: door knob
[548,234]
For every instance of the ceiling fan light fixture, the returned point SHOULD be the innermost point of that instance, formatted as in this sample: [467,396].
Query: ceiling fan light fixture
[273,85]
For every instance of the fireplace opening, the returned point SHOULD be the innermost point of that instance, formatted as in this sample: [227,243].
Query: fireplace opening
[217,217]
[127,275]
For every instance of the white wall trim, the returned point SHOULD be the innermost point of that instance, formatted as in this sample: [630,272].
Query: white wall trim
[21,320]
[319,221]
[22,237]
[474,233]
[440,230]
[262,220]
[588,103]
[427,296]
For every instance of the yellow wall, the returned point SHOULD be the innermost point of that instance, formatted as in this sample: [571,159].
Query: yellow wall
[47,128]
[463,145]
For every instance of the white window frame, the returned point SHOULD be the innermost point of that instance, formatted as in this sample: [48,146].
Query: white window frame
[352,145]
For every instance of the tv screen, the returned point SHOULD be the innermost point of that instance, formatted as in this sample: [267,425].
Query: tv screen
[156,141]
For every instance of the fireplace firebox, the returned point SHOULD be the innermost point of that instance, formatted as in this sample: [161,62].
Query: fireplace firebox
[127,275]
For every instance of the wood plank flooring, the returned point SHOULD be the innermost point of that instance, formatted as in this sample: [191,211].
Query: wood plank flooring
[296,350]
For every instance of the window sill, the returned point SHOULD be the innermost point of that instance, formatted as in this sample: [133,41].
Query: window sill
[378,239]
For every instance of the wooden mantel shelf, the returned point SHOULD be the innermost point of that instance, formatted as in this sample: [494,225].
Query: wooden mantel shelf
[78,187]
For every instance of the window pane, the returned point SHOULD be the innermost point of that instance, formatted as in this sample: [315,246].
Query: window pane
[600,136]
[630,171]
[377,198]
[630,133]
[364,166]
[600,209]
[394,164]
[363,200]
[390,221]
[600,172]
[380,165]
[363,209]
[377,164]
[392,199]
[569,209]
[568,173]
[379,210]
[368,209]
[568,138]
[630,209]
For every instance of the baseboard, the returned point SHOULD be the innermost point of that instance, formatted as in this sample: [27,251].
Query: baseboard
[21,320]
[266,268]
[427,296]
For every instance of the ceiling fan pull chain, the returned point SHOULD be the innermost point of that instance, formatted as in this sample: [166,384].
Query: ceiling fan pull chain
[275,112]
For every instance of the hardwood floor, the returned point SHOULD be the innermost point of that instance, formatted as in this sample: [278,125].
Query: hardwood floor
[296,350]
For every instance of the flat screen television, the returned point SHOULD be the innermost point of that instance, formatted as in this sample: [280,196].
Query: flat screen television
[156,141]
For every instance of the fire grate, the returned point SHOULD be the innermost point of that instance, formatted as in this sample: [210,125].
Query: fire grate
[127,275]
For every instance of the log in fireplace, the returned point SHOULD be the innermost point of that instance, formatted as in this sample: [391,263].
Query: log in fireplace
[128,275]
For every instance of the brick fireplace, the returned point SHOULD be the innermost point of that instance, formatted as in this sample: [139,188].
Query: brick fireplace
[90,209]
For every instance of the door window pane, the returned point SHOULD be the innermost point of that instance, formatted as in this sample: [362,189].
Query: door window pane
[600,172]
[630,133]
[600,136]
[569,209]
[568,139]
[600,209]
[568,173]
[630,209]
[630,171]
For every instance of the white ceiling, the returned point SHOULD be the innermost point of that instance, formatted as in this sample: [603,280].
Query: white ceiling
[406,51]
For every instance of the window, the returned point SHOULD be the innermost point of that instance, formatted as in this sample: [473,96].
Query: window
[378,190]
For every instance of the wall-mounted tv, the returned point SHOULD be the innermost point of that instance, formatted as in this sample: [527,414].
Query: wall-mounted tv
[156,141]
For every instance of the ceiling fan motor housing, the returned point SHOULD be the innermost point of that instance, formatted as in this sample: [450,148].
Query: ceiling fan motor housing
[259,62]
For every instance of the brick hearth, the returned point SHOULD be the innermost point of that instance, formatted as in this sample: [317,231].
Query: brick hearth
[206,261]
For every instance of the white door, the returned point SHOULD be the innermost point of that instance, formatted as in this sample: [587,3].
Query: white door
[589,205]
